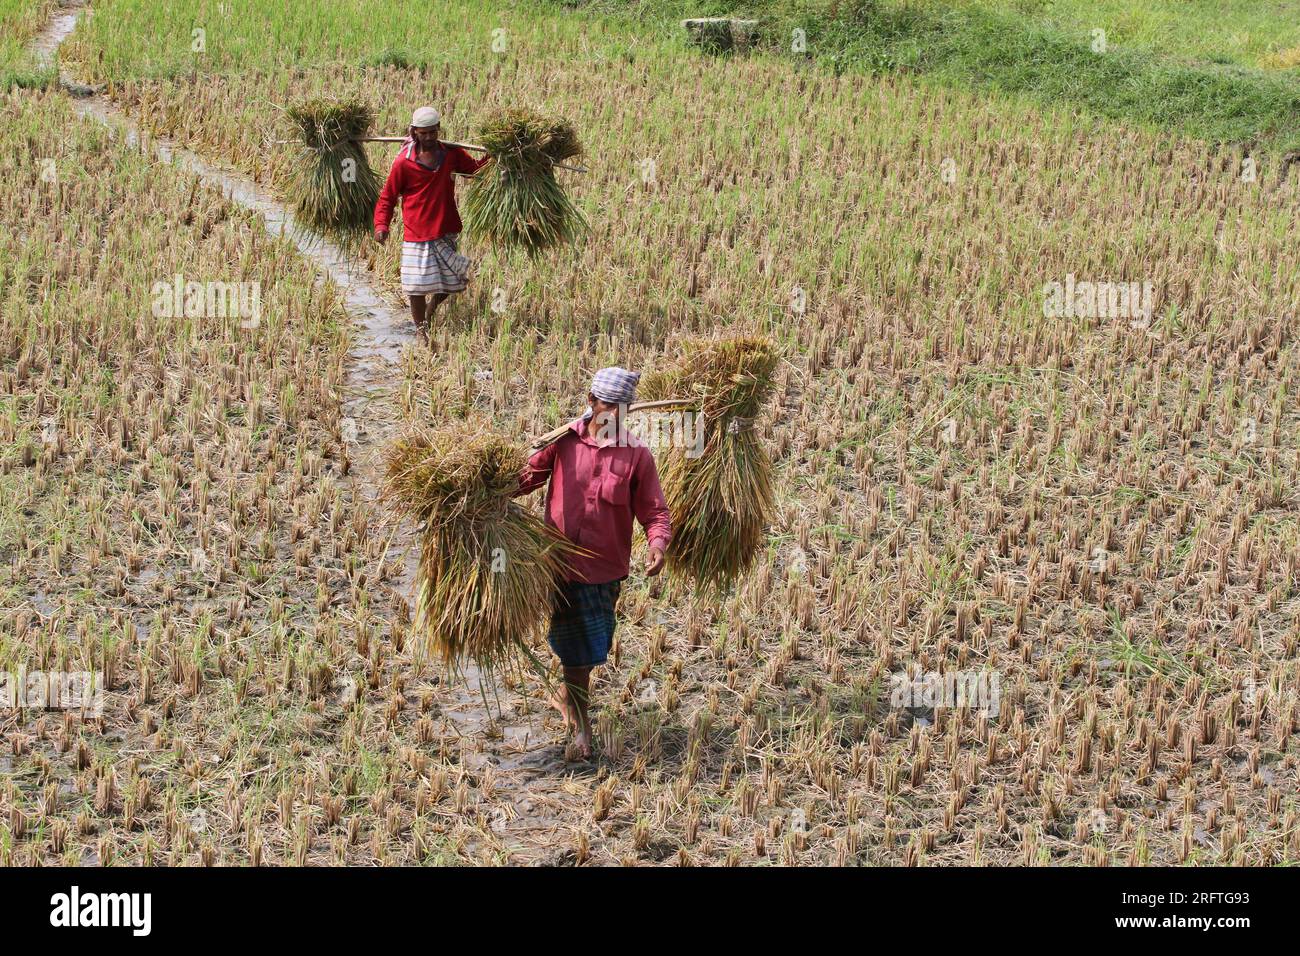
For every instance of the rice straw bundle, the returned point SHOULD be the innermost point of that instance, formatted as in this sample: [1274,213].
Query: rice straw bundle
[721,501]
[334,188]
[517,201]
[488,567]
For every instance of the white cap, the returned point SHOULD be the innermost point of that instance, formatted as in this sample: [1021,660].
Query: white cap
[425,116]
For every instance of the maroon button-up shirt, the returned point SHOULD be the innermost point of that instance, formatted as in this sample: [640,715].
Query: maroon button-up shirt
[595,490]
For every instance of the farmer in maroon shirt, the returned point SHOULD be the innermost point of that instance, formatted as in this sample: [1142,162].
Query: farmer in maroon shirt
[601,476]
[421,176]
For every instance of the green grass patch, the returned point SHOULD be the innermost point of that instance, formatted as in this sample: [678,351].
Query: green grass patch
[20,21]
[1013,48]
[1241,32]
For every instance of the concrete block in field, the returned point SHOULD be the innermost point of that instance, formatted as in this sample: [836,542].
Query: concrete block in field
[720,34]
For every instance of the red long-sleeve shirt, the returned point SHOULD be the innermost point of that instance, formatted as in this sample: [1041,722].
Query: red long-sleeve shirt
[595,490]
[428,195]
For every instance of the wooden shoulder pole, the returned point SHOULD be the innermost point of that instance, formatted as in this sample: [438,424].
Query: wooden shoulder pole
[556,434]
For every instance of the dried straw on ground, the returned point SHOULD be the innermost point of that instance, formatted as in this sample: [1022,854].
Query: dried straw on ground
[333,188]
[517,202]
[722,500]
[488,566]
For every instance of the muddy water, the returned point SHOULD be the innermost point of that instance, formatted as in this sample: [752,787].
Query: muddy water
[60,28]
[514,743]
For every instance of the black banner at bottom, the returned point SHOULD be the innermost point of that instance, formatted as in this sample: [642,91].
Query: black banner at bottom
[150,906]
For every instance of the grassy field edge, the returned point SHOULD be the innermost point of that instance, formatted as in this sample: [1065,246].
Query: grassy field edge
[997,50]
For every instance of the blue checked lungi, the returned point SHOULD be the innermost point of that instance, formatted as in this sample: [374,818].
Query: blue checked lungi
[582,622]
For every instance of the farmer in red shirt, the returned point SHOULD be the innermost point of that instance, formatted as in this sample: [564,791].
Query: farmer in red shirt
[601,476]
[421,176]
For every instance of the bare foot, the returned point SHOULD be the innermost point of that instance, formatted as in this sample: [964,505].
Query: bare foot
[579,748]
[581,745]
[423,333]
[559,699]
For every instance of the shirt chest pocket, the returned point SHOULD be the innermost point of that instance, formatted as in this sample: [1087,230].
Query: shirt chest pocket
[616,484]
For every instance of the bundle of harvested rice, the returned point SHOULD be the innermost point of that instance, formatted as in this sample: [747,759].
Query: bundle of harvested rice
[333,188]
[488,567]
[516,201]
[721,500]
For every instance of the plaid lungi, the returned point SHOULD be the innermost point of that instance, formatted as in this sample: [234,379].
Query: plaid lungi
[433,266]
[582,622]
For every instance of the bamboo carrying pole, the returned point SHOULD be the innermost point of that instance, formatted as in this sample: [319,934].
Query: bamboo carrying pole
[557,433]
[445,142]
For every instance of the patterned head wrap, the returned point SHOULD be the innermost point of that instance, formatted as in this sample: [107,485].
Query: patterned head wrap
[615,384]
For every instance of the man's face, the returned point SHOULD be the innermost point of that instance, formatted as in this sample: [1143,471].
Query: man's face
[605,416]
[426,136]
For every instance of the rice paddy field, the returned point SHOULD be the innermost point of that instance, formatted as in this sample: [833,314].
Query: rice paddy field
[1095,510]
